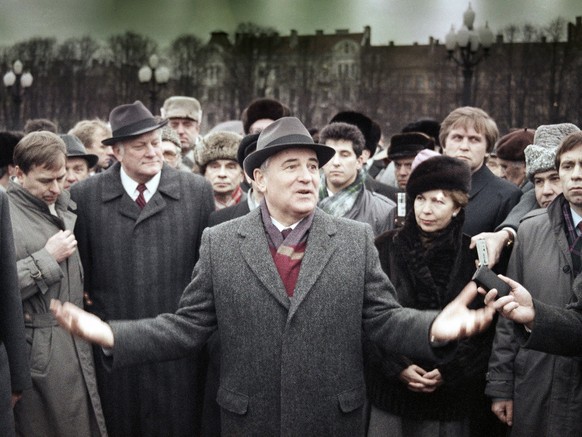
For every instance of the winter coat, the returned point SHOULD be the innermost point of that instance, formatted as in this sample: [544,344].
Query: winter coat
[63,400]
[490,201]
[376,210]
[464,374]
[14,370]
[546,389]
[290,367]
[137,264]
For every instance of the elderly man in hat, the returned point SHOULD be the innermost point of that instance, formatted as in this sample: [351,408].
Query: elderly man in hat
[291,290]
[139,227]
[79,162]
[216,158]
[511,158]
[185,115]
[49,267]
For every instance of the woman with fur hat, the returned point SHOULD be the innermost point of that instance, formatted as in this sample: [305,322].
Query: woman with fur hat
[429,262]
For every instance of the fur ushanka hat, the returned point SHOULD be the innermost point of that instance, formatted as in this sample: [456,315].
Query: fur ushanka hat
[439,173]
[217,145]
[263,108]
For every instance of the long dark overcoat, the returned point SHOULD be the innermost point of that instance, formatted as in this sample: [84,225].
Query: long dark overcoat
[137,264]
[63,400]
[14,371]
[289,367]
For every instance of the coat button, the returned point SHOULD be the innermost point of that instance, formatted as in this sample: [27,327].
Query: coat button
[566,269]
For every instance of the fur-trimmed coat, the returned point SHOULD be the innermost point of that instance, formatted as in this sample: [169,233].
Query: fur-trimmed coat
[464,374]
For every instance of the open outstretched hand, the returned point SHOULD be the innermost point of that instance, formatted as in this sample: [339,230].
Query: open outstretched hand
[82,324]
[456,321]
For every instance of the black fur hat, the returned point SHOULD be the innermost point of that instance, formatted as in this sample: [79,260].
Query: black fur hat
[263,108]
[369,128]
[407,145]
[439,173]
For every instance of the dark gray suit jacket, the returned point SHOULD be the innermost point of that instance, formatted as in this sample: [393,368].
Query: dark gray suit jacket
[288,366]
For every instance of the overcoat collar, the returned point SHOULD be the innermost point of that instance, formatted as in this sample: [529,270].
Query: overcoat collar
[64,205]
[479,180]
[112,188]
[255,251]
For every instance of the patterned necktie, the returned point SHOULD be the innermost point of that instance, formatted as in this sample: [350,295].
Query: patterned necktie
[141,202]
[286,232]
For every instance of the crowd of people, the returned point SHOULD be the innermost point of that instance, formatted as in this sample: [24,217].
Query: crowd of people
[269,279]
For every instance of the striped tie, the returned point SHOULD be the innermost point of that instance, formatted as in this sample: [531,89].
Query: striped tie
[141,202]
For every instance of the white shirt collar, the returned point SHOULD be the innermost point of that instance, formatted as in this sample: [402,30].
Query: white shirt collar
[280,227]
[576,219]
[130,186]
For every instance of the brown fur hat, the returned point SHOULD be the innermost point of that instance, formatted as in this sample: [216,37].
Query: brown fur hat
[217,145]
[439,173]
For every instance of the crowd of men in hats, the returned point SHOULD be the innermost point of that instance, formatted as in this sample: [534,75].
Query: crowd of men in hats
[249,280]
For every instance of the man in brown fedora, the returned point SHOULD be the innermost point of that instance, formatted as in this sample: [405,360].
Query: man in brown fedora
[139,227]
[291,290]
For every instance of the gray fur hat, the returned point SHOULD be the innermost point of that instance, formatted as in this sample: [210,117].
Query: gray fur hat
[541,155]
[539,159]
[217,145]
[551,135]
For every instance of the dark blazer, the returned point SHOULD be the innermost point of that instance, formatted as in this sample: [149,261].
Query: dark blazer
[490,201]
[555,331]
[385,190]
[288,366]
[14,366]
[229,213]
[137,264]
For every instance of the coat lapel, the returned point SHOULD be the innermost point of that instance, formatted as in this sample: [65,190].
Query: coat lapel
[479,180]
[320,247]
[255,252]
[112,188]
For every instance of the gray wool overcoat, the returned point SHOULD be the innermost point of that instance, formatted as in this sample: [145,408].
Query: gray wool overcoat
[289,367]
[63,400]
[137,264]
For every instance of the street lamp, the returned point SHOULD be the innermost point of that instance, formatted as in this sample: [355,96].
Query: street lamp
[17,81]
[471,47]
[156,76]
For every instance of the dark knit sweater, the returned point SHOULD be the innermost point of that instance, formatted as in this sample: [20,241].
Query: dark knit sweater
[429,278]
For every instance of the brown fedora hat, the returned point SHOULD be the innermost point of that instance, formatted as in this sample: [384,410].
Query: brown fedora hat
[131,120]
[282,134]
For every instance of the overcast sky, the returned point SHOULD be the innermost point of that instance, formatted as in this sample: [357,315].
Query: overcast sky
[401,21]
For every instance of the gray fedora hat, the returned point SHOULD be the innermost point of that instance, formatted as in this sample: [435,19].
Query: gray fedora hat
[131,120]
[282,134]
[76,149]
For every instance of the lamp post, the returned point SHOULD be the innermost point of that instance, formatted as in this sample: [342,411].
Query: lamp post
[17,81]
[467,48]
[156,76]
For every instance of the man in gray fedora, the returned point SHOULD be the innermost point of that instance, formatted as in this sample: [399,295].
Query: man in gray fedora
[139,228]
[291,290]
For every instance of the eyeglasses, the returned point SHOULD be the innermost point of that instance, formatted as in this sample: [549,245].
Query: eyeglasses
[169,154]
